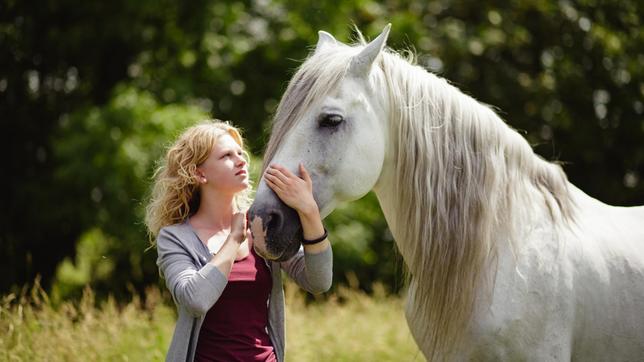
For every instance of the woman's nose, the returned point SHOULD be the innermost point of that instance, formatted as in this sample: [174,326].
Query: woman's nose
[241,161]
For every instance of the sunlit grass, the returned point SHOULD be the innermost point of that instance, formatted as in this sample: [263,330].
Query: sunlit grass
[347,326]
[32,329]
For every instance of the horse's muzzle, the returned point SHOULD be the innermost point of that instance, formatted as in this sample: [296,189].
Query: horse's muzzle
[276,228]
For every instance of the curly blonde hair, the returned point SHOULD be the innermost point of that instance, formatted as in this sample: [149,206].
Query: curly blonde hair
[175,194]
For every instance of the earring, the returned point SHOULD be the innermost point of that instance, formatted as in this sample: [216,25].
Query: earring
[204,180]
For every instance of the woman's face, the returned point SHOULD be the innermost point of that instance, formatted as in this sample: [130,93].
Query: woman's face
[225,169]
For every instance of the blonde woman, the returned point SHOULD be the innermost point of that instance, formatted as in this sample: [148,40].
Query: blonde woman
[230,301]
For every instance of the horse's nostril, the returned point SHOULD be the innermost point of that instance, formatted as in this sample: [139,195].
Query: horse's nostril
[275,220]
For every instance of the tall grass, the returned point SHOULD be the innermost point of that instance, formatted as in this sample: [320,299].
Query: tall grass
[347,326]
[33,329]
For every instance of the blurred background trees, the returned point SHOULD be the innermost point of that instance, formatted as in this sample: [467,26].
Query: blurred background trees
[92,92]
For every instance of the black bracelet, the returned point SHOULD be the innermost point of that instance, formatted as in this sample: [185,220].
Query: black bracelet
[317,240]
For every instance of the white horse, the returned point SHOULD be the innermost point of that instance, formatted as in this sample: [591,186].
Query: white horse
[507,260]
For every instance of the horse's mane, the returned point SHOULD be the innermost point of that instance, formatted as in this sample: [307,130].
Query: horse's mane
[461,178]
[460,185]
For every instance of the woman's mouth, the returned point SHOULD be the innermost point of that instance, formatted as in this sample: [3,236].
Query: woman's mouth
[241,172]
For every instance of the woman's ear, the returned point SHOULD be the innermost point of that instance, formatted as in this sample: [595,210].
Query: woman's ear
[200,177]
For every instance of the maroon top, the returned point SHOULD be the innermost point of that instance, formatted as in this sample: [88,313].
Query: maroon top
[235,328]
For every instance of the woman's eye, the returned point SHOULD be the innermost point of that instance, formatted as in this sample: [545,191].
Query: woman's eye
[330,120]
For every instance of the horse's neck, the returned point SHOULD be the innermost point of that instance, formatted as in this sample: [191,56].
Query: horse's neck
[388,200]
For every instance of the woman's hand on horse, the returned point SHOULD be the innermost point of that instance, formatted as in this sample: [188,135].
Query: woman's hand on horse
[295,191]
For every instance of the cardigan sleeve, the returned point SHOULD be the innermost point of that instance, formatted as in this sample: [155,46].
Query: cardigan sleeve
[195,289]
[312,272]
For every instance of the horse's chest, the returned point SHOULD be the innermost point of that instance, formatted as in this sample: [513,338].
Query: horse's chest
[528,313]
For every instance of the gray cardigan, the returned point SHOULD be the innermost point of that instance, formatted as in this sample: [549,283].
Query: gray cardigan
[196,285]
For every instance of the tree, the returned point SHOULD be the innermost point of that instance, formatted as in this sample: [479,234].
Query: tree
[83,86]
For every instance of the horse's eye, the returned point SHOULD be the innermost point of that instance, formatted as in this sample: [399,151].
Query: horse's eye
[330,120]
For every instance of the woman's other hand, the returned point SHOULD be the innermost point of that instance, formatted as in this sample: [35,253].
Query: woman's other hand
[238,227]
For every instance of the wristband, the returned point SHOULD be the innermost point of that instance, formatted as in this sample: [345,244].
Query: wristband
[317,240]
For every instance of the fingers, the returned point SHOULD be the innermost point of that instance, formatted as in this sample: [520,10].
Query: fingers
[239,221]
[283,173]
[283,170]
[279,178]
[273,182]
[239,217]
[278,173]
[305,174]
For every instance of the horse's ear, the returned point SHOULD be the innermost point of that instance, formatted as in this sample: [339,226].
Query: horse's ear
[324,40]
[361,63]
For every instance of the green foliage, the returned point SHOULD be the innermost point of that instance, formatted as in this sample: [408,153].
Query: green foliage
[107,156]
[363,247]
[91,92]
[91,265]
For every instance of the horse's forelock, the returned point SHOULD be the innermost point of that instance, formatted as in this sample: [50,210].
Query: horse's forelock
[315,78]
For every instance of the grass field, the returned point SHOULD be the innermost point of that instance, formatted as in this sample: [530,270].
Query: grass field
[347,326]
